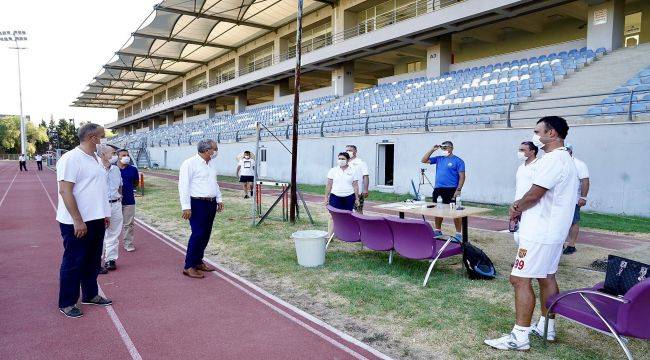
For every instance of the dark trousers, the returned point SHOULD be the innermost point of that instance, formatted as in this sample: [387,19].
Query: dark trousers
[22,165]
[81,262]
[342,202]
[203,212]
[40,165]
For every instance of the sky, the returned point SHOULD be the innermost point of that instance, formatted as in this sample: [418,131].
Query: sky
[68,42]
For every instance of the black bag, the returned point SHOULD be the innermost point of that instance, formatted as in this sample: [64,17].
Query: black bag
[623,274]
[478,264]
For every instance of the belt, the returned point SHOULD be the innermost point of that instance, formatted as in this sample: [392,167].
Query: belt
[114,201]
[204,198]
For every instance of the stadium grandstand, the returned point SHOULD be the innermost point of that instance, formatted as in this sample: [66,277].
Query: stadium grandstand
[374,69]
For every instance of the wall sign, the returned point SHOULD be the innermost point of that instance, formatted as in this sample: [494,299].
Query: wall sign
[600,17]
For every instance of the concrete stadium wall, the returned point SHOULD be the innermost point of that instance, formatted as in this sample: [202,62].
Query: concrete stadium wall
[615,153]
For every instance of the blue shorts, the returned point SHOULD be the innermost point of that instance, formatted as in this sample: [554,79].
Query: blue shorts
[576,216]
[342,202]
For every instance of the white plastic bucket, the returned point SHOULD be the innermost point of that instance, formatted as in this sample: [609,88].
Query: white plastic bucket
[310,247]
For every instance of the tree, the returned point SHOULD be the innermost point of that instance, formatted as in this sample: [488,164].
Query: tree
[67,133]
[10,136]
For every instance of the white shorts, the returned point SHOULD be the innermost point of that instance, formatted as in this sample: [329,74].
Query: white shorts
[535,260]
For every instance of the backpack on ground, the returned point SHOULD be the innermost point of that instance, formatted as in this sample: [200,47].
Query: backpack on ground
[478,264]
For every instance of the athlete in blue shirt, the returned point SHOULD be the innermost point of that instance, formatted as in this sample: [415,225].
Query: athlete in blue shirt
[450,178]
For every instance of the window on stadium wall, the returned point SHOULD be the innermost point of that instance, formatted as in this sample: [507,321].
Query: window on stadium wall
[312,39]
[258,59]
[632,29]
[389,12]
[414,66]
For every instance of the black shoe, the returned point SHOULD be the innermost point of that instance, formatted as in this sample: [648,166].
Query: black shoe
[103,270]
[251,193]
[71,312]
[246,196]
[569,250]
[110,265]
[97,300]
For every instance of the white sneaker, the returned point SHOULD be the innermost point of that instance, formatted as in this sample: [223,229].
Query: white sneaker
[535,330]
[508,342]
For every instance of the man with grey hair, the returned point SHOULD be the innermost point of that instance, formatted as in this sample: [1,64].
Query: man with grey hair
[114,193]
[200,201]
[83,214]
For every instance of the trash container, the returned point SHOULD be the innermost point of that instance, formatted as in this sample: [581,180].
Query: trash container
[310,247]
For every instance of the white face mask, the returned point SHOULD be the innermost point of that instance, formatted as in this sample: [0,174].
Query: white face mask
[536,139]
[521,156]
[351,154]
[445,153]
[125,160]
[342,162]
[113,159]
[247,157]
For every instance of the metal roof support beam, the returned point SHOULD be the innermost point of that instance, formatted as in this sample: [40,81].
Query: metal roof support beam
[109,94]
[118,87]
[143,70]
[100,78]
[99,101]
[185,41]
[328,2]
[156,57]
[214,17]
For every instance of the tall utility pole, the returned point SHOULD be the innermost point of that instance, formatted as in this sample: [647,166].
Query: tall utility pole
[296,107]
[16,36]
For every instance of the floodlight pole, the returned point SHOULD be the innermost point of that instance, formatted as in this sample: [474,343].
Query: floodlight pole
[296,107]
[16,36]
[23,126]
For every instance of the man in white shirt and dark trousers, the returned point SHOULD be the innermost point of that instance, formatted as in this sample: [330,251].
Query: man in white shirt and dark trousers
[83,214]
[200,201]
[524,178]
[114,194]
[246,173]
[544,215]
[39,161]
[364,176]
[583,191]
[22,162]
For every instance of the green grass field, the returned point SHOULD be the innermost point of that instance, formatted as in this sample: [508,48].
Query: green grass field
[590,220]
[385,305]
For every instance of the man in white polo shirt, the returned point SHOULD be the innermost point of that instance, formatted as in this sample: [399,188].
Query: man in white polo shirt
[544,213]
[583,191]
[83,214]
[200,201]
[39,162]
[364,175]
[108,158]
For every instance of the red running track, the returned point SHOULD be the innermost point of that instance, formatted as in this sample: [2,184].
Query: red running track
[157,313]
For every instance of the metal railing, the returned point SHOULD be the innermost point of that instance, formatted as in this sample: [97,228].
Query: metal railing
[197,87]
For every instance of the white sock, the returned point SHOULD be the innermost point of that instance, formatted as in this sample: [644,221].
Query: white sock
[551,324]
[521,333]
[438,230]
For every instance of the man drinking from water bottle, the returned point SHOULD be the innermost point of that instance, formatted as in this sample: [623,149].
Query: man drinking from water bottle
[450,178]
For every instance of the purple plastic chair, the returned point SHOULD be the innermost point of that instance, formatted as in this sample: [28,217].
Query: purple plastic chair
[414,239]
[345,226]
[375,233]
[617,316]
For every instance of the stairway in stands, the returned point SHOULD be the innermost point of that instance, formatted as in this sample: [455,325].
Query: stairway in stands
[600,77]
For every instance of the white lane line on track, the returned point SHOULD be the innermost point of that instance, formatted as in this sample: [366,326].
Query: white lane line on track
[8,188]
[182,248]
[126,339]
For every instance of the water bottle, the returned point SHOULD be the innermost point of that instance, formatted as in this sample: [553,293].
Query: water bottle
[439,201]
[458,204]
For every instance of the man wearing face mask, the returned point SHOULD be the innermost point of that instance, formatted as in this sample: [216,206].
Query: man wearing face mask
[130,179]
[83,214]
[583,191]
[246,173]
[527,153]
[545,212]
[450,178]
[114,193]
[200,198]
[364,176]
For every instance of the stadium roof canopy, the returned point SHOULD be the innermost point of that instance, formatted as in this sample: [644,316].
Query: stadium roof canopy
[181,35]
